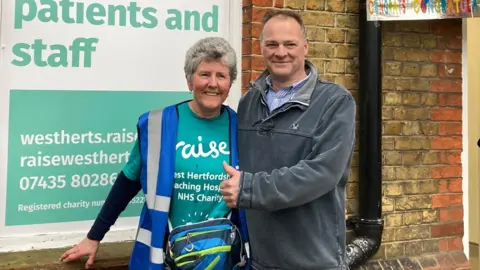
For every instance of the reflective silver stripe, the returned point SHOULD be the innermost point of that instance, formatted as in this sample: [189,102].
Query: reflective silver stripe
[247,249]
[144,236]
[161,203]
[153,158]
[156,254]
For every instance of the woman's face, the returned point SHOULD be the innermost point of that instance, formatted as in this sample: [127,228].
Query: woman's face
[210,84]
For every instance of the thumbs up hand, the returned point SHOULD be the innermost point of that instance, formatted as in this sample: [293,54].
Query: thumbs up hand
[230,188]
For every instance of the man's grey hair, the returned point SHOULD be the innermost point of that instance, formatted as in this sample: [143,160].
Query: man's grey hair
[282,13]
[208,49]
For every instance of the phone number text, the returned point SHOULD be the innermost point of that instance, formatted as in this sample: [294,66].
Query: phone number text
[63,181]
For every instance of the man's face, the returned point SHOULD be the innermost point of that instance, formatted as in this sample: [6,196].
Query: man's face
[284,48]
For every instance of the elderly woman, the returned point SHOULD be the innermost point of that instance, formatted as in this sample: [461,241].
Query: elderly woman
[177,161]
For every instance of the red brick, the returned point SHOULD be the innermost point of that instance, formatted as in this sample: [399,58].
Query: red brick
[451,28]
[446,57]
[256,30]
[258,63]
[247,15]
[455,186]
[444,85]
[451,157]
[445,262]
[451,215]
[246,63]
[250,46]
[256,46]
[255,75]
[450,186]
[246,77]
[439,172]
[443,245]
[246,3]
[449,143]
[450,128]
[450,70]
[262,3]
[448,42]
[246,47]
[450,100]
[443,186]
[279,3]
[455,244]
[459,257]
[443,230]
[446,200]
[446,114]
[258,13]
[247,30]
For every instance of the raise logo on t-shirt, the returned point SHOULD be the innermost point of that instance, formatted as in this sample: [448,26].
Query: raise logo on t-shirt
[196,150]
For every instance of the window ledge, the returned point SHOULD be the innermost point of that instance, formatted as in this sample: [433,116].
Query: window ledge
[110,256]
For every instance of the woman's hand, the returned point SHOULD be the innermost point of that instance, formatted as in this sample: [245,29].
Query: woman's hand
[86,247]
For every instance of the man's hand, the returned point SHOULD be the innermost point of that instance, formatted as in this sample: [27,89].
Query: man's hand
[230,188]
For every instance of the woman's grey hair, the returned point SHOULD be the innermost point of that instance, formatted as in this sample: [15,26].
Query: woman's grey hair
[208,49]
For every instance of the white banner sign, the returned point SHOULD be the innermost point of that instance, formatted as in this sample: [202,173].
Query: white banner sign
[75,75]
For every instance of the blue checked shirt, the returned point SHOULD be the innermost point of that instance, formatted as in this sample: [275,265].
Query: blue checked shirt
[276,99]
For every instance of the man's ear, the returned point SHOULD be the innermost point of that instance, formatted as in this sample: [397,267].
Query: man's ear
[307,46]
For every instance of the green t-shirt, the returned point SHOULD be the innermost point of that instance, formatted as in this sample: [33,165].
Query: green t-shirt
[202,146]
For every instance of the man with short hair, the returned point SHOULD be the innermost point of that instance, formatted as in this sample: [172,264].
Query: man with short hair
[296,136]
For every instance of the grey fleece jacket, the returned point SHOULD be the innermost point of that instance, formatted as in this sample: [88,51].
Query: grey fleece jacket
[295,162]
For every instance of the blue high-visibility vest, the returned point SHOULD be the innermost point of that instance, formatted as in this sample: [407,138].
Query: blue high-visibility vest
[157,132]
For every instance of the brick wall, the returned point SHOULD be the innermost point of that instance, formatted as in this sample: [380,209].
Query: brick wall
[422,138]
[332,27]
[422,113]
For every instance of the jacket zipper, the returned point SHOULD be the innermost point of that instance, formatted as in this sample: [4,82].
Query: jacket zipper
[264,102]
[292,104]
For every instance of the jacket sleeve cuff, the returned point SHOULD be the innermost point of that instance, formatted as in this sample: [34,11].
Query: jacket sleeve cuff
[246,191]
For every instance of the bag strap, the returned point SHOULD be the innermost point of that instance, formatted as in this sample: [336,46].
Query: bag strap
[170,227]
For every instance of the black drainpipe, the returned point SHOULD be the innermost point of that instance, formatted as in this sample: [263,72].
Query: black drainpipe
[368,225]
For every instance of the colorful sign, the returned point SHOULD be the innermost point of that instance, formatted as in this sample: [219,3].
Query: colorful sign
[66,148]
[75,75]
[392,10]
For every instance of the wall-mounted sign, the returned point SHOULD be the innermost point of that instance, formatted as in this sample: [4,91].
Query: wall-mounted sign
[398,10]
[74,77]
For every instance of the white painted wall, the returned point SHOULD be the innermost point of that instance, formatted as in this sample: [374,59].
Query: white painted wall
[464,156]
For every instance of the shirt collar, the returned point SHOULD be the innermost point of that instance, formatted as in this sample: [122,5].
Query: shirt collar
[295,85]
